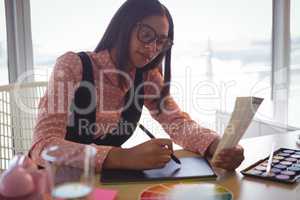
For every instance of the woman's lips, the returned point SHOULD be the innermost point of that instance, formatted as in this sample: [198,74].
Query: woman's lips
[145,57]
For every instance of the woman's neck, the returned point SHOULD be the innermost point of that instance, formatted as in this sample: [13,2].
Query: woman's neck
[113,57]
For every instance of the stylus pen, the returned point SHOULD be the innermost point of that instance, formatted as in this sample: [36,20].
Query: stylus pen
[152,136]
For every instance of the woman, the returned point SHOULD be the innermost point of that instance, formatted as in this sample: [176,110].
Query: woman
[126,70]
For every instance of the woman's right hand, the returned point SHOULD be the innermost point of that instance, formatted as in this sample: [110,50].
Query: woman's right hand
[155,153]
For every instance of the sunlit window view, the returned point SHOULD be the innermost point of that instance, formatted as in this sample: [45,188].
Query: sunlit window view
[3,51]
[220,51]
[73,26]
[294,95]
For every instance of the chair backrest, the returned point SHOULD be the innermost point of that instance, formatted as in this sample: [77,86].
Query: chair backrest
[18,111]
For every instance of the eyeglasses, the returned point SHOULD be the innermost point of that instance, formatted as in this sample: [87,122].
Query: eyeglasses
[146,34]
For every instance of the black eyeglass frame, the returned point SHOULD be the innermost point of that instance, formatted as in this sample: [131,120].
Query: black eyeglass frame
[168,43]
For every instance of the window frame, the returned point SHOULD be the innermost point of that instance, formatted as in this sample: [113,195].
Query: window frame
[281,51]
[19,39]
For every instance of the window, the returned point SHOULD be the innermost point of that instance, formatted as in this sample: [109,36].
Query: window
[220,50]
[294,94]
[73,26]
[3,47]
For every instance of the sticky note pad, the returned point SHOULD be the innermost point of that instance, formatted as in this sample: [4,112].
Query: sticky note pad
[104,194]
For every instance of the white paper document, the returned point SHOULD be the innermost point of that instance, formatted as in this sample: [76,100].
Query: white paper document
[244,111]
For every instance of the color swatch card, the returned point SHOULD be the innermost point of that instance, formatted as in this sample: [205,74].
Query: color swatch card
[191,167]
[182,191]
[285,167]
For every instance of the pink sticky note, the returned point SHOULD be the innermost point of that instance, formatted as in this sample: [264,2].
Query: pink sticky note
[104,194]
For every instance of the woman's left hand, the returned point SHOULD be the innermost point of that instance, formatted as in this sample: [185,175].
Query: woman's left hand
[230,158]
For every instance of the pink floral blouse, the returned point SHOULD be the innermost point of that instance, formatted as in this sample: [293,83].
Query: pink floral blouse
[54,108]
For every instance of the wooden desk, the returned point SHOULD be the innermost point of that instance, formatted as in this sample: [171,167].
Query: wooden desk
[243,188]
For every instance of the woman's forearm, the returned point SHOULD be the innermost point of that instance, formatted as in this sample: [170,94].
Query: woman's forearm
[115,159]
[212,147]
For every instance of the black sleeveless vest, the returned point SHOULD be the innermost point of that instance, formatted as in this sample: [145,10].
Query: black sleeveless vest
[85,97]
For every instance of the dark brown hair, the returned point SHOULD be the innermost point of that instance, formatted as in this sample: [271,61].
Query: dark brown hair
[118,33]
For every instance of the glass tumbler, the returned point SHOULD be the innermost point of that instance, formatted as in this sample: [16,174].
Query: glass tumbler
[69,178]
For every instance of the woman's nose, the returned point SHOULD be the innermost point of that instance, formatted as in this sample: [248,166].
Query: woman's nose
[152,46]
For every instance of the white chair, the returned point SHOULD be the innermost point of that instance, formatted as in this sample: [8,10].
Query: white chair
[18,111]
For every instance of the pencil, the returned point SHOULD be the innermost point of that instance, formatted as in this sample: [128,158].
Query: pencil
[152,137]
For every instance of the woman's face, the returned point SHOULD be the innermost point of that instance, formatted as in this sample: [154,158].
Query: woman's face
[148,39]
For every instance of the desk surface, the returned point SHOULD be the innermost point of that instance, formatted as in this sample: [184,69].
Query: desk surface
[243,188]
